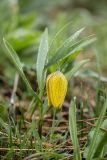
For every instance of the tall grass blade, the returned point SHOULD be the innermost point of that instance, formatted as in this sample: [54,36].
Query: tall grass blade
[57,34]
[76,68]
[92,146]
[5,126]
[73,130]
[13,57]
[69,49]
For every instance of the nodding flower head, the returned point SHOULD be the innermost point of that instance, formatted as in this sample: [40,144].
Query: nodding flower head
[56,86]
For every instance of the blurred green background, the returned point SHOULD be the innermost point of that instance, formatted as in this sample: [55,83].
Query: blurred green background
[23,21]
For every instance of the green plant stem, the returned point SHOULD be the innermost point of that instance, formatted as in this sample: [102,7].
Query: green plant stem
[41,112]
[53,124]
[40,122]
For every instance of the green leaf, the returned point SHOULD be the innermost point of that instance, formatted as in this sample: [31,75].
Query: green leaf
[99,158]
[22,38]
[101,142]
[67,63]
[77,66]
[41,58]
[3,111]
[45,107]
[72,38]
[92,146]
[68,49]
[60,32]
[13,57]
[73,130]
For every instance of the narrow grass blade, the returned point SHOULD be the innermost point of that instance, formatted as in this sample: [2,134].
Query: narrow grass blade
[13,57]
[69,49]
[71,39]
[76,68]
[5,126]
[101,142]
[101,145]
[57,34]
[96,133]
[41,58]
[73,130]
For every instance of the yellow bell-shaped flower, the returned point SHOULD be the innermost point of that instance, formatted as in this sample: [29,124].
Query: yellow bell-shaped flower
[56,86]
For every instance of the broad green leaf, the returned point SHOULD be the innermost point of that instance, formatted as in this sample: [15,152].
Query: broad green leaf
[13,57]
[22,38]
[41,58]
[73,130]
[76,67]
[67,50]
[93,143]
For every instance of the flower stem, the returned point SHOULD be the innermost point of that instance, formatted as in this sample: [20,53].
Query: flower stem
[53,124]
[40,122]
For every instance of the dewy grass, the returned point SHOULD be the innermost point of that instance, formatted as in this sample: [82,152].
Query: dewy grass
[26,136]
